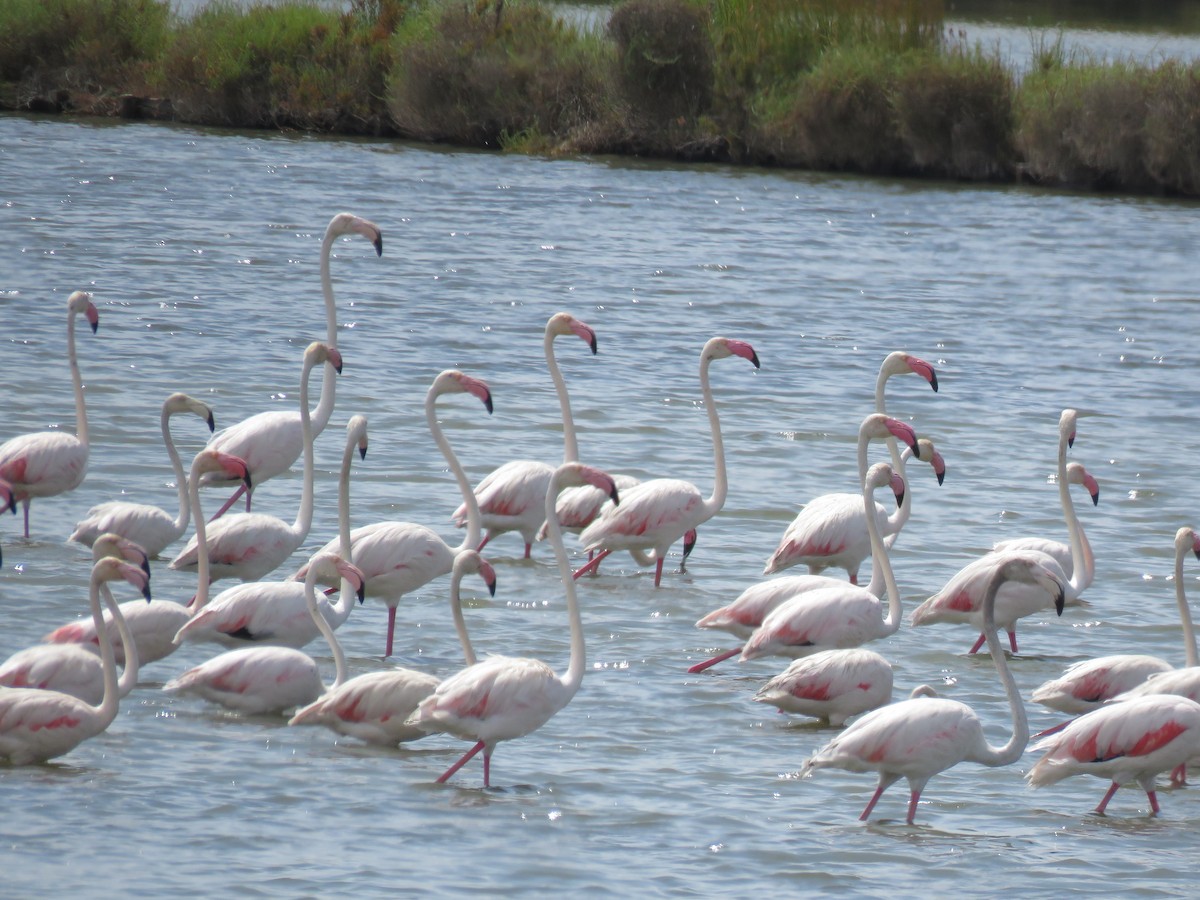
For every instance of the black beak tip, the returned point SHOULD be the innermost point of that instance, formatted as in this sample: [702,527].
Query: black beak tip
[941,477]
[146,593]
[362,594]
[933,381]
[754,359]
[212,423]
[378,246]
[95,327]
[488,404]
[614,497]
[1096,499]
[491,588]
[362,452]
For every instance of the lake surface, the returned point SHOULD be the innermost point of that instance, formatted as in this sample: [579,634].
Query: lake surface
[201,248]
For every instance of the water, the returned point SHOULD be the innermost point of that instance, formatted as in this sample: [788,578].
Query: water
[201,248]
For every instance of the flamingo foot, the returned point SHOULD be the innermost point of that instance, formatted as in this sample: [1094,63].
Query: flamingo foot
[708,663]
[462,761]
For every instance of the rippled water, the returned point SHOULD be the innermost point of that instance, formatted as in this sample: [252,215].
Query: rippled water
[202,250]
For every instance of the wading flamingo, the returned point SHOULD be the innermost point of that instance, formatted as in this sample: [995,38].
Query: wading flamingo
[249,546]
[374,707]
[654,514]
[276,612]
[918,738]
[832,685]
[47,463]
[400,557]
[504,697]
[264,680]
[38,725]
[270,442]
[149,526]
[1088,684]
[513,496]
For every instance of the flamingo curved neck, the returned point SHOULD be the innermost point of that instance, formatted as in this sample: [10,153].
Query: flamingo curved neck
[1185,614]
[346,596]
[720,484]
[106,712]
[474,522]
[881,407]
[460,622]
[570,445]
[881,566]
[305,514]
[324,410]
[899,516]
[81,424]
[181,520]
[1011,751]
[129,674]
[1079,556]
[202,571]
[574,677]
[314,610]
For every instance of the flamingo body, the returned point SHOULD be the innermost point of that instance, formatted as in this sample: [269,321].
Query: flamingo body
[272,613]
[253,680]
[153,626]
[1088,684]
[73,669]
[832,685]
[373,707]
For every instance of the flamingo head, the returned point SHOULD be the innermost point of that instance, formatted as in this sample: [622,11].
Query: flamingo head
[1077,474]
[575,474]
[181,403]
[112,569]
[356,433]
[899,363]
[114,545]
[81,302]
[454,381]
[331,568]
[317,353]
[348,223]
[689,542]
[882,474]
[1066,426]
[227,466]
[720,348]
[879,425]
[564,323]
[7,498]
[926,452]
[1028,568]
[1186,539]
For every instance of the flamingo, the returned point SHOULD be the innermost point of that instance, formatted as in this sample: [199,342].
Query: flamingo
[1077,553]
[504,697]
[276,612]
[830,531]
[655,514]
[400,557]
[845,615]
[1088,684]
[918,738]
[511,497]
[374,707]
[151,527]
[832,685]
[264,680]
[251,545]
[1132,740]
[47,463]
[8,501]
[271,441]
[77,669]
[37,725]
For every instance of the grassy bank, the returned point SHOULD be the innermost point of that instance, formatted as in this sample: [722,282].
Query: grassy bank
[873,86]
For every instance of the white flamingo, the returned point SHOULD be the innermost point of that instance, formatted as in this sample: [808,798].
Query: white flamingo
[832,685]
[276,612]
[251,545]
[654,514]
[830,531]
[149,526]
[48,463]
[270,442]
[374,707]
[397,558]
[504,697]
[265,680]
[77,669]
[37,725]
[1090,683]
[918,738]
[511,497]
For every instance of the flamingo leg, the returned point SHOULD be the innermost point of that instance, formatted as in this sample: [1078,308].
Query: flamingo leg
[874,799]
[487,767]
[228,503]
[977,644]
[591,564]
[1179,775]
[1153,797]
[658,567]
[912,805]
[708,663]
[854,577]
[1108,796]
[487,537]
[1012,641]
[391,630]
[528,549]
[25,506]
[462,761]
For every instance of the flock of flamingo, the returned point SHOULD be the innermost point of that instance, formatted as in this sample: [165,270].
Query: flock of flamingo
[1135,716]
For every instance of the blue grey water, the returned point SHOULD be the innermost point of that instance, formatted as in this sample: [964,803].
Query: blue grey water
[201,248]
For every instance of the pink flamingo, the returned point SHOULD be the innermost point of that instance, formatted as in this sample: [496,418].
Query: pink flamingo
[504,697]
[149,526]
[830,531]
[77,669]
[374,707]
[37,725]
[271,441]
[1132,740]
[48,463]
[832,685]
[918,738]
[264,680]
[655,514]
[1089,684]
[845,615]
[400,557]
[251,545]
[511,497]
[276,612]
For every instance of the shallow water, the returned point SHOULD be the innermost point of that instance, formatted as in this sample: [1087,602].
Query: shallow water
[201,248]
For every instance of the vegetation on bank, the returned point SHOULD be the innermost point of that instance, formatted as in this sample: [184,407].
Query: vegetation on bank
[873,86]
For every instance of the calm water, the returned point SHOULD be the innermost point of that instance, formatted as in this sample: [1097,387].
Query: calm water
[202,251]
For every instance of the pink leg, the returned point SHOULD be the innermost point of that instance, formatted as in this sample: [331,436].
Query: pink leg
[854,577]
[228,503]
[912,805]
[1012,641]
[708,663]
[874,799]
[25,506]
[1179,775]
[1154,809]
[391,630]
[658,572]
[1108,796]
[487,537]
[592,564]
[487,767]
[979,643]
[528,549]
[462,762]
